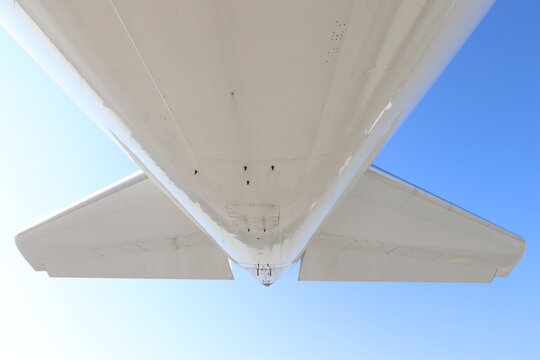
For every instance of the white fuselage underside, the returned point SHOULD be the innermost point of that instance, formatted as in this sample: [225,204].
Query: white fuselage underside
[255,116]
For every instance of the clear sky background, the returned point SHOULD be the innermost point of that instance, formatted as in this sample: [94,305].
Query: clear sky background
[473,140]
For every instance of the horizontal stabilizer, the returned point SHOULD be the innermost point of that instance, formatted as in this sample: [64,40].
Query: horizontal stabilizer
[129,230]
[388,230]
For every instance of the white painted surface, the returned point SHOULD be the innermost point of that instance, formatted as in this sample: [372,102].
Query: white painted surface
[388,230]
[129,230]
[270,107]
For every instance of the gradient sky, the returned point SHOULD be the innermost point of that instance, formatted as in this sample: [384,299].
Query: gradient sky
[473,140]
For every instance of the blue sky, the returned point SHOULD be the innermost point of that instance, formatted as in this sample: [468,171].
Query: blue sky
[473,140]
